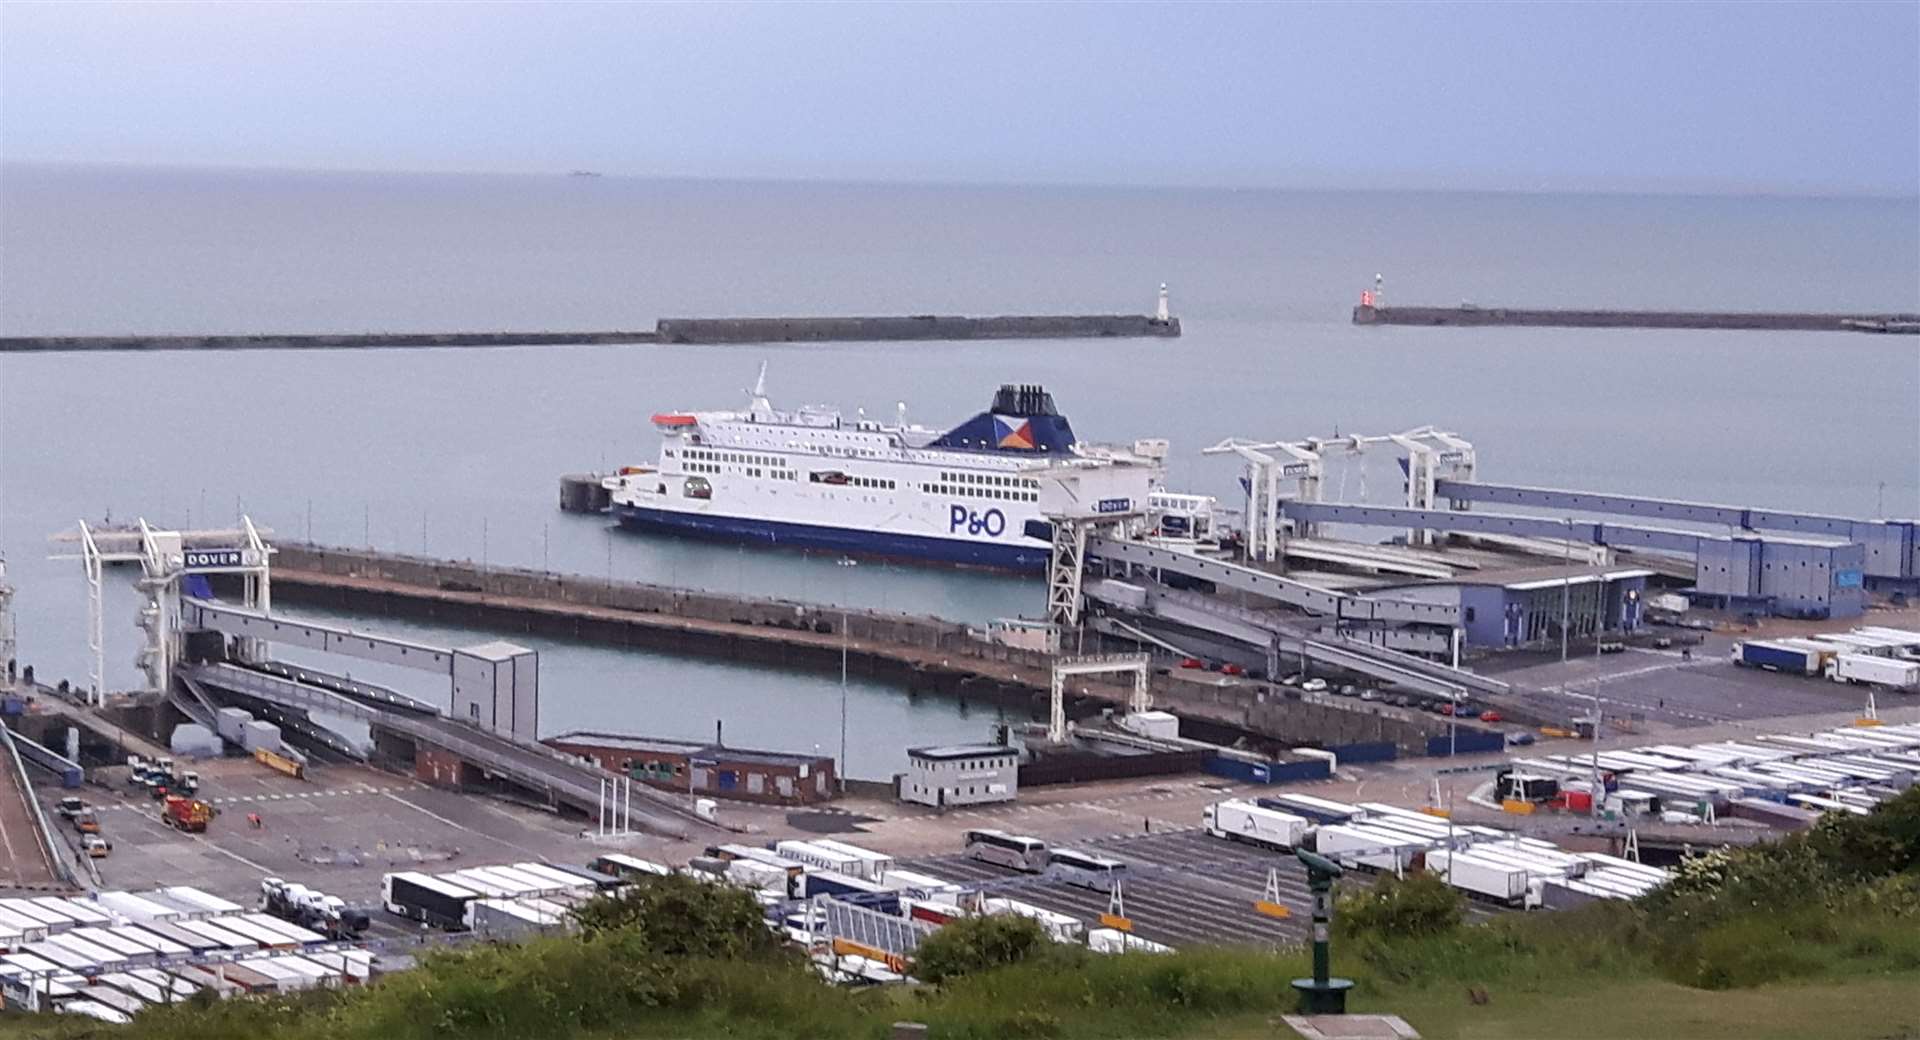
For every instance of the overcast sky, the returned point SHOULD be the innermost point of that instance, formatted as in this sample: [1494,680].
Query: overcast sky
[1819,97]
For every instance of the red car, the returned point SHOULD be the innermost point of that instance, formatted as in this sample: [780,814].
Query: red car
[1232,669]
[1192,662]
[1446,709]
[1489,716]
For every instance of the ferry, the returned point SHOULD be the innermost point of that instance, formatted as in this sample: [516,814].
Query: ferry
[813,479]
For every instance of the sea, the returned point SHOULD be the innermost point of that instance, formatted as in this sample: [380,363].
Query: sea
[457,452]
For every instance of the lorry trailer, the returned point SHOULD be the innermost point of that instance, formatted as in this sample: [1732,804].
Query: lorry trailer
[1890,673]
[1244,821]
[1500,882]
[430,900]
[1776,657]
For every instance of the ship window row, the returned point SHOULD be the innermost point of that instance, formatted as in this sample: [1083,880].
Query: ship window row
[969,491]
[989,480]
[841,480]
[743,457]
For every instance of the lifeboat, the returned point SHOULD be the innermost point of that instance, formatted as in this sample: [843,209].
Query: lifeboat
[673,420]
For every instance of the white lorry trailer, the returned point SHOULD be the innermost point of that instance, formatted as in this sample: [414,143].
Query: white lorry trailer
[1891,673]
[1505,883]
[1239,820]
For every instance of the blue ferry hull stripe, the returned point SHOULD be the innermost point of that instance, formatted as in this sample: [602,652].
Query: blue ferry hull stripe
[839,539]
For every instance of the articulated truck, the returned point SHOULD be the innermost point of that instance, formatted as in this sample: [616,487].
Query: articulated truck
[1870,670]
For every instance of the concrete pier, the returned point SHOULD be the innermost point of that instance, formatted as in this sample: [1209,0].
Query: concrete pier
[667,330]
[1468,315]
[920,653]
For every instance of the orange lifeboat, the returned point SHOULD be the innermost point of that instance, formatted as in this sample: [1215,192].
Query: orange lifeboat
[673,420]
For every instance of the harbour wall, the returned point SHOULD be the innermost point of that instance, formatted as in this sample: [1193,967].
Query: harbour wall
[912,327]
[921,652]
[1618,319]
[917,652]
[668,330]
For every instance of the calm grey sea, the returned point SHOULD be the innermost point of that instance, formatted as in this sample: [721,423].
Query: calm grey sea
[456,453]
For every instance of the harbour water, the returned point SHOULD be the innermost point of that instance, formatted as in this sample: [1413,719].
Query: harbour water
[455,453]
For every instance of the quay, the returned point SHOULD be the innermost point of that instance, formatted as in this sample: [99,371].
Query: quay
[925,327]
[1783,321]
[917,652]
[921,652]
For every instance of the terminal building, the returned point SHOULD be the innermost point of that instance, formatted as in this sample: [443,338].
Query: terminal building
[960,774]
[772,777]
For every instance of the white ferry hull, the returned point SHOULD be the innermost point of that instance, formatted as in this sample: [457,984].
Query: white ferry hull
[848,540]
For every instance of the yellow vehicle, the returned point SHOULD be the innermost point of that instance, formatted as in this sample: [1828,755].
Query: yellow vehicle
[95,846]
[86,822]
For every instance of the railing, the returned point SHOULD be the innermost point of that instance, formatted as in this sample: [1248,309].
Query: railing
[42,830]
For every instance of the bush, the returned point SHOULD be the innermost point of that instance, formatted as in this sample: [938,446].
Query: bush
[678,916]
[1417,905]
[976,944]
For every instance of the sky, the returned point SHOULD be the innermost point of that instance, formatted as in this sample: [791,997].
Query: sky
[1737,97]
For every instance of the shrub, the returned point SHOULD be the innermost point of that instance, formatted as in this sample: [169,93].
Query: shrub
[976,944]
[1417,905]
[678,916]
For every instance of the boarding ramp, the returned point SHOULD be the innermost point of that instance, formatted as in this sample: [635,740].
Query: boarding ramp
[313,635]
[27,856]
[1298,594]
[563,779]
[1280,639]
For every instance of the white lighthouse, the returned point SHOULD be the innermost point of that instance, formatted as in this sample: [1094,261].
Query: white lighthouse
[1160,312]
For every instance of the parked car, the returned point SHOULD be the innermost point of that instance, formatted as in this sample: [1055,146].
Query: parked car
[1291,680]
[1314,686]
[1489,716]
[1192,662]
[1232,669]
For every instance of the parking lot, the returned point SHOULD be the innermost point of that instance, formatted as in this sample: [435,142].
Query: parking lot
[338,832]
[1663,687]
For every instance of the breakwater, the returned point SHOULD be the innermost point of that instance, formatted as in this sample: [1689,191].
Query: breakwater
[913,327]
[1617,319]
[667,330]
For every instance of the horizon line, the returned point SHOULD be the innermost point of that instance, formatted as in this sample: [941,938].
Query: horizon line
[1310,183]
